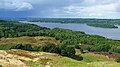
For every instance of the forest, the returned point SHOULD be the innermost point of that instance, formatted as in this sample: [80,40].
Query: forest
[68,39]
[103,25]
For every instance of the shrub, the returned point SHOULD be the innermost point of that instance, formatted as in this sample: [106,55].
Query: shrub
[68,51]
[0,65]
[118,59]
[17,46]
[37,48]
[27,47]
[81,50]
[77,46]
[61,49]
[47,48]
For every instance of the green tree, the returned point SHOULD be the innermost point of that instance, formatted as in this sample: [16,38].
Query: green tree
[27,47]
[118,59]
[68,51]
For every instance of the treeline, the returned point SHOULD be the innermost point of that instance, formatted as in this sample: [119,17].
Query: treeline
[68,38]
[104,23]
[52,48]
[74,20]
[16,29]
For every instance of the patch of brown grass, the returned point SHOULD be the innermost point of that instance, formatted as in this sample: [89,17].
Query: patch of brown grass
[20,53]
[110,55]
[35,41]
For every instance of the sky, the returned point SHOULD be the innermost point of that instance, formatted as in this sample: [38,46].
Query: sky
[60,8]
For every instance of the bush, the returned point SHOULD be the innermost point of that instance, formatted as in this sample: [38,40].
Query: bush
[68,51]
[0,65]
[17,46]
[77,57]
[81,50]
[77,46]
[27,47]
[37,48]
[61,49]
[47,48]
[118,59]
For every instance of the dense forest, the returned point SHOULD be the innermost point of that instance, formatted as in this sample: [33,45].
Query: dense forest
[68,39]
[103,25]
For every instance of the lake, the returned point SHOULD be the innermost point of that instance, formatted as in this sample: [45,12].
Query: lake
[112,33]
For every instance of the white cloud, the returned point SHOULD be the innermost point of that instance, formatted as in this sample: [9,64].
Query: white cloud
[22,6]
[93,8]
[15,5]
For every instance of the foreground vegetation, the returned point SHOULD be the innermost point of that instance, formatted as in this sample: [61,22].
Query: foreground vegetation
[44,59]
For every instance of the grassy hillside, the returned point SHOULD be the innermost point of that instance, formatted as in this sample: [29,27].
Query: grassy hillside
[23,58]
[35,41]
[63,42]
[43,59]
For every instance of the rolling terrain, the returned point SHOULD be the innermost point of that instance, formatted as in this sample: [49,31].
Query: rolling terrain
[21,58]
[35,41]
[28,45]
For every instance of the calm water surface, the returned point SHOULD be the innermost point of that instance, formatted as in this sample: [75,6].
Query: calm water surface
[106,32]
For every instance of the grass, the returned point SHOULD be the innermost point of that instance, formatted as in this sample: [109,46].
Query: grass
[68,62]
[105,64]
[58,61]
[90,57]
[88,61]
[33,64]
[29,40]
[55,60]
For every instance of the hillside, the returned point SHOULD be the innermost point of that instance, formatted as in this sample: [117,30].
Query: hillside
[35,41]
[21,58]
[28,45]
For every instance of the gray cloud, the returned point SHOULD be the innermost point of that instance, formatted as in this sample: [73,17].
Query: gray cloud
[15,5]
[64,8]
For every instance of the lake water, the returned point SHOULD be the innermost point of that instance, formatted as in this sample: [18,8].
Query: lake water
[111,33]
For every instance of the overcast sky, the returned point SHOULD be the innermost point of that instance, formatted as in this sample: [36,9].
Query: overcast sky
[60,8]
